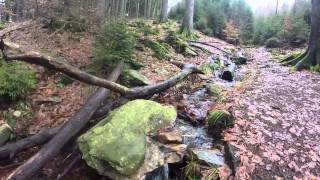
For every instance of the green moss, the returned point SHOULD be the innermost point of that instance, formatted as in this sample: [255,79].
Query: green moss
[219,120]
[116,43]
[215,90]
[161,50]
[144,28]
[210,68]
[5,133]
[180,43]
[133,78]
[315,68]
[120,139]
[16,80]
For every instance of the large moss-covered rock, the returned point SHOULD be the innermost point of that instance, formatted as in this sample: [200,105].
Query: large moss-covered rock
[119,141]
[5,133]
[133,78]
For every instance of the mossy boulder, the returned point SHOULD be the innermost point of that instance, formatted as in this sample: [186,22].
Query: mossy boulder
[5,133]
[215,90]
[119,141]
[218,121]
[133,78]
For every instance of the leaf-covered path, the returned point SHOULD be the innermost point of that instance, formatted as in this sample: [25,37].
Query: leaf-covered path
[277,132]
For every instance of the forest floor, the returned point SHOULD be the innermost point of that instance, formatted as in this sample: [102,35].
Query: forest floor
[276,135]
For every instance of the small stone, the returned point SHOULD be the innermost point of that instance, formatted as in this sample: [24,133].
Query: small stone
[210,157]
[173,158]
[181,148]
[170,138]
[17,114]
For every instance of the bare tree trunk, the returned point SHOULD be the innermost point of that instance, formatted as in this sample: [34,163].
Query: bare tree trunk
[164,10]
[187,25]
[277,7]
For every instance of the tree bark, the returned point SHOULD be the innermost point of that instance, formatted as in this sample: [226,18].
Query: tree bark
[187,25]
[164,10]
[69,130]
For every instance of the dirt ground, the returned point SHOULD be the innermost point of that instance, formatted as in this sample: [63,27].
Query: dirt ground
[277,130]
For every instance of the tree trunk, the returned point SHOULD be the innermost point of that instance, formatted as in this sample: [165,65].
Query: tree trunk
[312,56]
[164,10]
[187,25]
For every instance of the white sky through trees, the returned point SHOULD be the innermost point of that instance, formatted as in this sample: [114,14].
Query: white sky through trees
[258,6]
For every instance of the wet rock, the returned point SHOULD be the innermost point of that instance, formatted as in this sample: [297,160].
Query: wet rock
[5,133]
[118,146]
[169,138]
[173,158]
[214,89]
[195,137]
[196,107]
[218,121]
[228,72]
[181,148]
[133,78]
[241,60]
[209,157]
[161,173]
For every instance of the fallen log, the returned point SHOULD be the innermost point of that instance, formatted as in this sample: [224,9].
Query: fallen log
[67,131]
[9,51]
[10,150]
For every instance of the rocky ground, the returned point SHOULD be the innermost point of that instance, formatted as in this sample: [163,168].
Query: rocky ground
[276,135]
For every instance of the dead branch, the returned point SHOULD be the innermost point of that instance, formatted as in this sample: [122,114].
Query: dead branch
[58,65]
[67,131]
[10,150]
[193,43]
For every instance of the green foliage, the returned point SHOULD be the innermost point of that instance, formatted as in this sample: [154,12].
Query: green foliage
[3,25]
[115,43]
[191,170]
[273,42]
[162,50]
[144,28]
[315,68]
[211,16]
[284,27]
[16,80]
